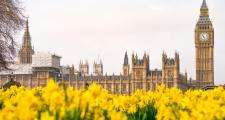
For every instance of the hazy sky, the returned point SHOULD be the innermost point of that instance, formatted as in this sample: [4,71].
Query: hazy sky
[88,29]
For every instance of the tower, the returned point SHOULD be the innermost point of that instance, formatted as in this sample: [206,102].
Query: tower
[84,68]
[140,70]
[72,70]
[126,66]
[98,68]
[26,52]
[170,70]
[204,46]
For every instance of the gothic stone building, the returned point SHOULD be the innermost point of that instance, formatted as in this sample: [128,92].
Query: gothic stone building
[138,77]
[31,69]
[34,69]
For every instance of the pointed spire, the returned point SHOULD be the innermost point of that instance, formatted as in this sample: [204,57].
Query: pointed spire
[176,55]
[133,59]
[27,25]
[204,5]
[125,59]
[72,70]
[148,57]
[26,37]
[204,9]
[164,57]
[136,57]
[26,50]
[145,56]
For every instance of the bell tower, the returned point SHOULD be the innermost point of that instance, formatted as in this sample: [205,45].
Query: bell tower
[204,46]
[26,52]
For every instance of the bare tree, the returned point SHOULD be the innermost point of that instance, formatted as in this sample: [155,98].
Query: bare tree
[11,21]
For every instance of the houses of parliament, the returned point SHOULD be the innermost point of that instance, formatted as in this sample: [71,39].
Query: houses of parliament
[33,68]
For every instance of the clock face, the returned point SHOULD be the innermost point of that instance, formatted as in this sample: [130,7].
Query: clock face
[204,36]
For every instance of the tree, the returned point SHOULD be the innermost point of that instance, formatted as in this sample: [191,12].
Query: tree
[11,21]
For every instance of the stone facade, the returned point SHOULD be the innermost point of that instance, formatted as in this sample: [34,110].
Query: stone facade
[136,75]
[84,68]
[98,68]
[204,45]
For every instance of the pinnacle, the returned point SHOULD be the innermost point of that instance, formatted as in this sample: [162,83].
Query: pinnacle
[27,39]
[204,5]
[27,24]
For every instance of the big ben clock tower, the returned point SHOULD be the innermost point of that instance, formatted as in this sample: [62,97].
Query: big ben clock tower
[204,45]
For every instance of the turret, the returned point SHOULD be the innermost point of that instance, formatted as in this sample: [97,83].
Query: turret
[126,66]
[170,70]
[98,68]
[140,67]
[140,71]
[186,76]
[84,68]
[125,59]
[72,70]
[176,69]
[177,61]
[164,57]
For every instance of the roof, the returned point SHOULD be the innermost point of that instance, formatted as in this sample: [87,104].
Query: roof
[18,69]
[204,5]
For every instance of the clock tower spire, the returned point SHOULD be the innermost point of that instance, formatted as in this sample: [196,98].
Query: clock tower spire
[204,46]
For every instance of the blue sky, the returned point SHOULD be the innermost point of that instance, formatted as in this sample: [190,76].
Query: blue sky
[92,29]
